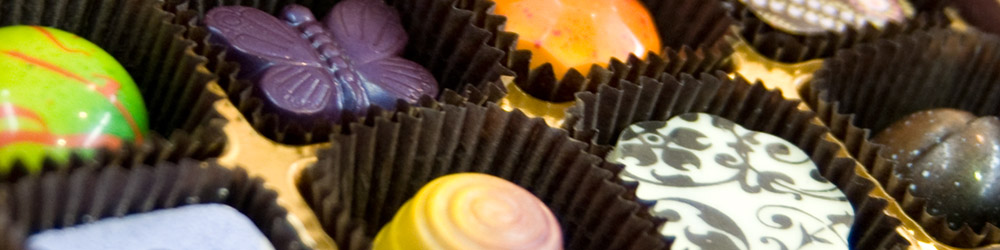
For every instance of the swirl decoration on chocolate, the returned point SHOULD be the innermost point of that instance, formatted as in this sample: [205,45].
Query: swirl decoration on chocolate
[817,16]
[721,186]
[471,211]
[315,70]
[60,93]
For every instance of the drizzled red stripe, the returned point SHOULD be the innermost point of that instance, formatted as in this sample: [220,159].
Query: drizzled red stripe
[72,141]
[8,110]
[108,91]
[111,87]
[57,42]
[47,65]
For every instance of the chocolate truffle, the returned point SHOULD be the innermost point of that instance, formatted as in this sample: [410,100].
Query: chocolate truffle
[314,71]
[60,94]
[720,186]
[579,33]
[817,16]
[471,211]
[205,226]
[952,159]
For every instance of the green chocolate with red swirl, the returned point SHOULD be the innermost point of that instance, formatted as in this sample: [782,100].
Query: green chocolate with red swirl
[61,94]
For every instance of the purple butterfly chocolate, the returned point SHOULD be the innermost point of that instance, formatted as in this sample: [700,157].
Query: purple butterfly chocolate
[314,70]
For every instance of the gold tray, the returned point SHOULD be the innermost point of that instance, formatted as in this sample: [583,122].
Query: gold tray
[280,164]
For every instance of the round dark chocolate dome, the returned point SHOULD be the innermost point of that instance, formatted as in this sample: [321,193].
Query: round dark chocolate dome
[952,159]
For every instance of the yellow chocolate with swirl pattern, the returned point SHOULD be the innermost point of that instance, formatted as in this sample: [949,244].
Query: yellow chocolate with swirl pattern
[471,211]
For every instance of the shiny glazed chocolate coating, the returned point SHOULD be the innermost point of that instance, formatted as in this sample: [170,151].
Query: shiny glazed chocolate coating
[61,94]
[953,159]
[471,211]
[575,34]
[306,69]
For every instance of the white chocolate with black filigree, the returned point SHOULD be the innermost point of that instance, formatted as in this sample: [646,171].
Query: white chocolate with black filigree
[721,186]
[816,16]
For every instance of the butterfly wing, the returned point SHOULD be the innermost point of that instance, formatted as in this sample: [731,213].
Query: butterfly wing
[396,78]
[368,30]
[305,91]
[371,34]
[259,39]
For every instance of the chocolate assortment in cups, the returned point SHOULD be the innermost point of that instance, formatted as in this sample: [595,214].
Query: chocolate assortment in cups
[755,167]
[370,176]
[560,47]
[794,31]
[295,69]
[167,205]
[100,87]
[924,124]
[496,124]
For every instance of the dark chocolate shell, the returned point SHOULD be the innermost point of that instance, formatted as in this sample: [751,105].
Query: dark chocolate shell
[953,159]
[869,87]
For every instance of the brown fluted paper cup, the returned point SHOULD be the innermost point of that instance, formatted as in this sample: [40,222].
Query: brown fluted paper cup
[72,197]
[783,46]
[863,90]
[600,117]
[696,37]
[441,39]
[169,75]
[375,165]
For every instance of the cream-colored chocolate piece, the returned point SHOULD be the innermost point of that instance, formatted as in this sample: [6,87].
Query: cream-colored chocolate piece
[721,186]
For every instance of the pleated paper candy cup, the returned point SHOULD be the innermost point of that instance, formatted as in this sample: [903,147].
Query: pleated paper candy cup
[375,165]
[74,197]
[863,90]
[441,39]
[601,117]
[163,65]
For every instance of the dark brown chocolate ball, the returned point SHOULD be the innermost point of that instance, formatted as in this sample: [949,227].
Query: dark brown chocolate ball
[953,160]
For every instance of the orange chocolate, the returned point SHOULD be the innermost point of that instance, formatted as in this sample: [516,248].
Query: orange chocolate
[578,33]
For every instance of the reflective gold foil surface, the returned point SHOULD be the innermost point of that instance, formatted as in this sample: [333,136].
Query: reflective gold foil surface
[786,77]
[280,164]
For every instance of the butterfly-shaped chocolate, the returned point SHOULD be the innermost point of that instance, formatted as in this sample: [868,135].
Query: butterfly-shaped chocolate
[309,69]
